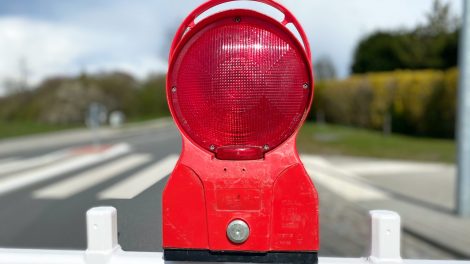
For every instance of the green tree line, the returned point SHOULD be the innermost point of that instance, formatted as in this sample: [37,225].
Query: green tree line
[433,45]
[65,100]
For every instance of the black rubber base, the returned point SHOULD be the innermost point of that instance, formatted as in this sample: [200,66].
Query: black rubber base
[229,256]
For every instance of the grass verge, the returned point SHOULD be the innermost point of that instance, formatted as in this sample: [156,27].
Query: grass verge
[15,129]
[340,140]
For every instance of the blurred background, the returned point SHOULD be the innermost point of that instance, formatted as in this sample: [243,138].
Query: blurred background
[383,121]
[57,57]
[369,56]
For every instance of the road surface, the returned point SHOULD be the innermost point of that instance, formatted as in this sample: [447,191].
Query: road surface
[47,185]
[45,192]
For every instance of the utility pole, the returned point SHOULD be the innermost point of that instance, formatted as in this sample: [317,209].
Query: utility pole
[463,117]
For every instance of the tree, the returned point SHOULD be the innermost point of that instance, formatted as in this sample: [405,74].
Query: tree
[381,51]
[433,45]
[324,69]
[440,20]
[21,83]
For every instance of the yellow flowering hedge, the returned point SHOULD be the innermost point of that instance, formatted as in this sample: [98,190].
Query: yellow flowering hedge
[412,102]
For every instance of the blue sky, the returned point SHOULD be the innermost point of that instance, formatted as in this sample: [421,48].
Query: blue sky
[56,37]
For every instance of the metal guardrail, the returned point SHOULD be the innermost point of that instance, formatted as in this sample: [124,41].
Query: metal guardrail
[103,246]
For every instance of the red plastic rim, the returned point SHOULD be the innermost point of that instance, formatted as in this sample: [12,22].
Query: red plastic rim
[239,80]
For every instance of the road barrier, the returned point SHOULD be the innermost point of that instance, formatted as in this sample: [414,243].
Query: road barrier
[103,246]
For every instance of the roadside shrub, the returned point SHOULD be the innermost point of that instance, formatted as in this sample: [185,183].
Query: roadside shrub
[411,102]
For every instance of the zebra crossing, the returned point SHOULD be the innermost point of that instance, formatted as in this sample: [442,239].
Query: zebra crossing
[13,165]
[62,174]
[340,181]
[132,186]
[71,172]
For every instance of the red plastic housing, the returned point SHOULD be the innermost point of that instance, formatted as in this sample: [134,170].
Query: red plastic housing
[239,86]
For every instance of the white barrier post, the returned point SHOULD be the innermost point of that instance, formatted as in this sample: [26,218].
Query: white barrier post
[385,230]
[102,239]
[103,246]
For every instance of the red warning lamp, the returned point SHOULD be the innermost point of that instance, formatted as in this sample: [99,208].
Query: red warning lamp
[239,86]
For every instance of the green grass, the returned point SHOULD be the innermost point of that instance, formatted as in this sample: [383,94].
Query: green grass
[140,119]
[15,129]
[24,128]
[339,140]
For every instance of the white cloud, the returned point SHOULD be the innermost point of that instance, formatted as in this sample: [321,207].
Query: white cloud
[49,48]
[130,35]
[44,47]
[334,27]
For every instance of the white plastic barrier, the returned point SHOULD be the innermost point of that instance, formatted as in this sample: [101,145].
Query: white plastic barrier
[103,246]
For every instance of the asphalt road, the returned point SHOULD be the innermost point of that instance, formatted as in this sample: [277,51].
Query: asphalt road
[41,222]
[46,189]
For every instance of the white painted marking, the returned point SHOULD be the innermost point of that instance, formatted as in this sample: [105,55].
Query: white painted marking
[87,179]
[395,167]
[7,160]
[20,180]
[380,167]
[339,181]
[315,160]
[349,190]
[320,163]
[17,165]
[133,186]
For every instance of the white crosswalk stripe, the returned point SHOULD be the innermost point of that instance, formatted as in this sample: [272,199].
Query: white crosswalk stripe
[342,183]
[395,167]
[23,179]
[21,173]
[136,184]
[88,179]
[6,161]
[349,190]
[17,165]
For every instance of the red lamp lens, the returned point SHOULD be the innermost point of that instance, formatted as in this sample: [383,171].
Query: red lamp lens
[239,83]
